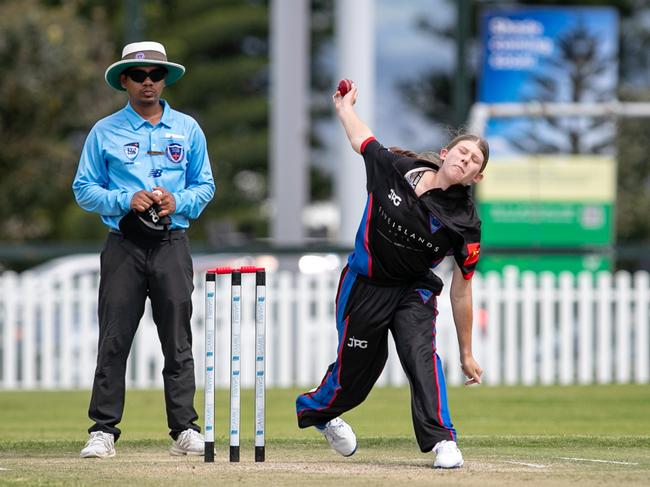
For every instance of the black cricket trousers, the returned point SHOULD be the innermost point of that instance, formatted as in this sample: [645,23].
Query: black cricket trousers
[129,274]
[365,312]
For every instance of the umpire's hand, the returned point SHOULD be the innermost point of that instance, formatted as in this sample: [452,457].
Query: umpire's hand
[142,200]
[167,202]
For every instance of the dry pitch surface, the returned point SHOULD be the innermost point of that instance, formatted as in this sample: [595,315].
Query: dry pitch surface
[378,462]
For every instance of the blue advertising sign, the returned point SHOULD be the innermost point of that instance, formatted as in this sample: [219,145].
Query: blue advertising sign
[547,54]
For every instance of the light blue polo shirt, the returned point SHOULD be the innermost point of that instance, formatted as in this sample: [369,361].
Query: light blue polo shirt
[124,154]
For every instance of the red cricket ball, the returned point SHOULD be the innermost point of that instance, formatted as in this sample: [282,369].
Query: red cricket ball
[344,86]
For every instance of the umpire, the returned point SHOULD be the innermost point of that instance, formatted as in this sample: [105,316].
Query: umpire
[145,170]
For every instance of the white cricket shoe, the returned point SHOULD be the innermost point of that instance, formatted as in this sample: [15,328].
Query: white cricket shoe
[189,442]
[99,445]
[447,455]
[340,436]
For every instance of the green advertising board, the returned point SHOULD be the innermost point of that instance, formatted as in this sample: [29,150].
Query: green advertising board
[547,202]
[546,224]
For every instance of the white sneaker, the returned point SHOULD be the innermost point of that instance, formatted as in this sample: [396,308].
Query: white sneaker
[447,455]
[189,442]
[340,436]
[99,445]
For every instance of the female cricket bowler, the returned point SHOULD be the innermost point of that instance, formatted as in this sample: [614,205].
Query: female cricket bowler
[419,210]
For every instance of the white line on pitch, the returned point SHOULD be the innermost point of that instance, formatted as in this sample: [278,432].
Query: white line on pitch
[3,468]
[596,460]
[534,465]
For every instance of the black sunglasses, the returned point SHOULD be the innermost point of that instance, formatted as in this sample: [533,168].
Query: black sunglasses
[138,75]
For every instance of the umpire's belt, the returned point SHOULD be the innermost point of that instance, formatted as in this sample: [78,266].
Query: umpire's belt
[173,234]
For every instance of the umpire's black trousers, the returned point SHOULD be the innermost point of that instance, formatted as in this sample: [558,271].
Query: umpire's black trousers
[129,273]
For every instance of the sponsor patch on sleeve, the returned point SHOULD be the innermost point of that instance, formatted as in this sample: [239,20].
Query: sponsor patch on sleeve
[473,251]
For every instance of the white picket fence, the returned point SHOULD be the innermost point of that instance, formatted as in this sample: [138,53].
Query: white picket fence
[529,329]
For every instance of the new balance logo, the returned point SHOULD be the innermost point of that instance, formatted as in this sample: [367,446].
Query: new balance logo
[354,343]
[155,173]
[394,198]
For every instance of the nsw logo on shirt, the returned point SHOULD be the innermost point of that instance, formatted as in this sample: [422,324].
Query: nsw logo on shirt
[175,152]
[131,150]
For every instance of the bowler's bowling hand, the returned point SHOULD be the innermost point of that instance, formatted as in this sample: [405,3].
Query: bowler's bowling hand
[340,101]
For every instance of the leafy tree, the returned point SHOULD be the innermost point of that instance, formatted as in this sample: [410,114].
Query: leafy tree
[50,92]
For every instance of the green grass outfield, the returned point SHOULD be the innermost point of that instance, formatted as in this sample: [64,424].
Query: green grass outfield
[579,435]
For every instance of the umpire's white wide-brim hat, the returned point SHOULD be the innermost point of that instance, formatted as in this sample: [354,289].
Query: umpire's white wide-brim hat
[146,53]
